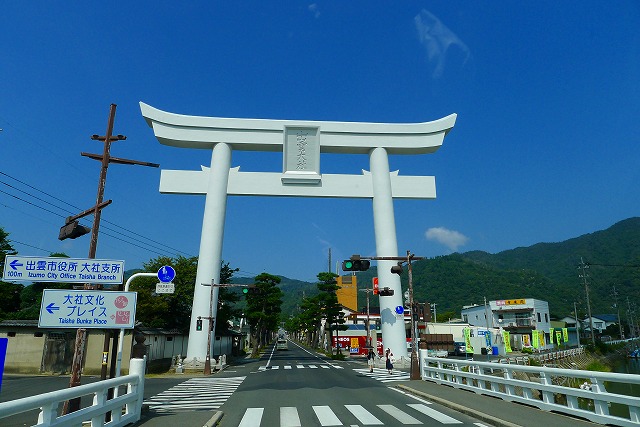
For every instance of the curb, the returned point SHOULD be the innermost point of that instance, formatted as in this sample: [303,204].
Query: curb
[460,408]
[213,421]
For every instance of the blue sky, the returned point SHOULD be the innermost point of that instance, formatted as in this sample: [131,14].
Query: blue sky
[545,147]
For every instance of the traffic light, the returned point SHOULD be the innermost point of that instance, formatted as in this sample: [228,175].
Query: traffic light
[199,325]
[72,230]
[386,292]
[251,290]
[397,269]
[356,265]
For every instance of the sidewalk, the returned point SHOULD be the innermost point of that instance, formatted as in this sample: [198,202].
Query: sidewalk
[189,419]
[488,409]
[493,411]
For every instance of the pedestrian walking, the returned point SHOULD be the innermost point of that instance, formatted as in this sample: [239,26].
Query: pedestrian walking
[389,360]
[371,357]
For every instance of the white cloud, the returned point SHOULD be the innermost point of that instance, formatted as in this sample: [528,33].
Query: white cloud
[450,238]
[437,39]
[313,8]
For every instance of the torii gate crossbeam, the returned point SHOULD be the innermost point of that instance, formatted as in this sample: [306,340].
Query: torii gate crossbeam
[301,143]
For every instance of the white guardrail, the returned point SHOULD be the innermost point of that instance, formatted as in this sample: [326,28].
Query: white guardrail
[570,391]
[125,409]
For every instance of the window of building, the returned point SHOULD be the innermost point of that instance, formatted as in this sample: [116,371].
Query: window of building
[546,317]
[169,338]
[11,334]
[539,318]
[37,334]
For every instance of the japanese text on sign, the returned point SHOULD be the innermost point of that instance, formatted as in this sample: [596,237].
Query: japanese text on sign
[70,270]
[85,309]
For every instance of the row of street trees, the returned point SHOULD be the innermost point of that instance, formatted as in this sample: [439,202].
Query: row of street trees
[306,325]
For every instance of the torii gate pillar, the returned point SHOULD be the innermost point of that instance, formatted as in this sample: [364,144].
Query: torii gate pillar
[301,143]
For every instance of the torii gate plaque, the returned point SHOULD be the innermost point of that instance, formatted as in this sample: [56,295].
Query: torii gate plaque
[301,143]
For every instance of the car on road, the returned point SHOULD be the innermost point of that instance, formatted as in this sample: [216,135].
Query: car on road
[459,348]
[282,344]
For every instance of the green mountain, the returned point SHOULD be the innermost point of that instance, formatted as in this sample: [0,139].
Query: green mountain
[548,271]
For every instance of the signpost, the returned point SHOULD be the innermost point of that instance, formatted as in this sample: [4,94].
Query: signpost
[166,274]
[66,308]
[65,270]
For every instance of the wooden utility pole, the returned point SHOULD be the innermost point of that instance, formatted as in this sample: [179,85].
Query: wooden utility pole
[105,159]
[583,267]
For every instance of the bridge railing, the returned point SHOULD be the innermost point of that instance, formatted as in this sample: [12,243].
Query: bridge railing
[571,391]
[125,409]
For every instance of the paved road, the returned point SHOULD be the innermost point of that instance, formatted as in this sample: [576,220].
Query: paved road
[300,388]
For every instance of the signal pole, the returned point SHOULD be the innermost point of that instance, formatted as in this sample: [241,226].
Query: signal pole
[105,158]
[358,263]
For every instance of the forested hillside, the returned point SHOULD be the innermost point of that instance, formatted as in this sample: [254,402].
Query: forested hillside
[547,271]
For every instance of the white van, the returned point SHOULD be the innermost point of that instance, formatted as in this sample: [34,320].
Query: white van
[281,344]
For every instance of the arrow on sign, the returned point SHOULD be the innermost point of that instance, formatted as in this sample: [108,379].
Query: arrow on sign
[51,307]
[15,264]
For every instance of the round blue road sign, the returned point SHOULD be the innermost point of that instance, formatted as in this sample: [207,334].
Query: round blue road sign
[399,309]
[166,274]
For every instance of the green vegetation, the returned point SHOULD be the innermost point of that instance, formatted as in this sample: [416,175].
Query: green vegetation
[546,271]
[263,310]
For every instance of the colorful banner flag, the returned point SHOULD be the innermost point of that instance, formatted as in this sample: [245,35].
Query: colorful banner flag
[467,340]
[551,335]
[559,337]
[507,342]
[542,339]
[565,334]
[536,339]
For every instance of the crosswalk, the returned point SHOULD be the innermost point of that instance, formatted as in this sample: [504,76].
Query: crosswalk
[195,394]
[383,375]
[411,414]
[299,366]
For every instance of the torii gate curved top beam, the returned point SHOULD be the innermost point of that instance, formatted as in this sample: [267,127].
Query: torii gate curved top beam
[301,143]
[267,135]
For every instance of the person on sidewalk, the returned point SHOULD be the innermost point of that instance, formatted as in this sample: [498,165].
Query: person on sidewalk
[389,360]
[371,358]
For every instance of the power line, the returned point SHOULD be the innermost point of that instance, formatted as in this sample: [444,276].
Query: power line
[150,247]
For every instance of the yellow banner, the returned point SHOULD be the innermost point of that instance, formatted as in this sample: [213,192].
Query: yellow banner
[467,340]
[542,339]
[536,339]
[507,342]
[565,334]
[551,335]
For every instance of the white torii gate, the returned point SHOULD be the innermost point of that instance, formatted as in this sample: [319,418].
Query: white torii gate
[301,143]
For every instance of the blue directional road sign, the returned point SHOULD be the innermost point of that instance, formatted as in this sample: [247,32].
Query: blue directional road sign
[166,274]
[68,308]
[65,270]
[399,309]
